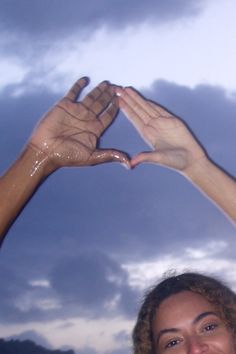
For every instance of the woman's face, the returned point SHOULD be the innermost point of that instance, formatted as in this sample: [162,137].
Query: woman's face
[188,323]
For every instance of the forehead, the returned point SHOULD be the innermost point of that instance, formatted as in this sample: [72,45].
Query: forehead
[184,306]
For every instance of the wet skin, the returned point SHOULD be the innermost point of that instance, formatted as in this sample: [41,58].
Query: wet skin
[186,323]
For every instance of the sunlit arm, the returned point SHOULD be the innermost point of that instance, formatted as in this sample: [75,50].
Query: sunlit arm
[173,145]
[19,183]
[215,183]
[68,135]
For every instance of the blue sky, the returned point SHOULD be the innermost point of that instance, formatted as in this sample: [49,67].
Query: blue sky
[76,262]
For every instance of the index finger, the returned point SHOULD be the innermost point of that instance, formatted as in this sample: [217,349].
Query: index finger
[142,102]
[134,112]
[76,89]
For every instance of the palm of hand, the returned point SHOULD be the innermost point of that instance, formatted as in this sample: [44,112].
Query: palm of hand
[172,141]
[68,134]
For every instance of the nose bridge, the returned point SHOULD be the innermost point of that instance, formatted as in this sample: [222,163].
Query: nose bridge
[196,345]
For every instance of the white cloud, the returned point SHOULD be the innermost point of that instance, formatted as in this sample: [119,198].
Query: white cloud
[188,53]
[44,283]
[98,334]
[29,301]
[208,259]
[11,72]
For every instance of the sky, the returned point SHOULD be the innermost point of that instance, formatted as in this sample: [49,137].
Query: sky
[77,261]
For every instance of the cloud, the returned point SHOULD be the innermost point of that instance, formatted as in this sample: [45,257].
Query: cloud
[91,283]
[46,47]
[131,203]
[209,259]
[111,215]
[57,18]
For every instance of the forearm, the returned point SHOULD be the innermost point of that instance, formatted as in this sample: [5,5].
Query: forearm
[19,183]
[215,183]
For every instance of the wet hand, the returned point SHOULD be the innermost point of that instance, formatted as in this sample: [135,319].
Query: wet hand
[69,133]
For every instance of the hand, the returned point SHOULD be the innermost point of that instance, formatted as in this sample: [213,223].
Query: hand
[68,134]
[173,144]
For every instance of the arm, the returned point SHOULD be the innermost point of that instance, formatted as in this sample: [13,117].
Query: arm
[66,136]
[174,146]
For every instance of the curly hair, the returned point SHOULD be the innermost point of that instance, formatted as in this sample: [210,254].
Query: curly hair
[217,293]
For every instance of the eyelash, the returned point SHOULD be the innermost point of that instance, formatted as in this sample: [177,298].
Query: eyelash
[210,327]
[172,343]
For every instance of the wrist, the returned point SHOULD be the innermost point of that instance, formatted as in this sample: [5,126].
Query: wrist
[198,168]
[38,163]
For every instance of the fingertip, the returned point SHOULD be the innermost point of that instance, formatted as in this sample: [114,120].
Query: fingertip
[132,91]
[134,163]
[127,167]
[119,90]
[105,83]
[85,80]
[137,160]
[121,157]
[129,89]
[117,87]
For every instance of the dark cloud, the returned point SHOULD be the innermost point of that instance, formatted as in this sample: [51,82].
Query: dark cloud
[18,118]
[56,18]
[83,286]
[83,223]
[90,281]
[12,288]
[109,206]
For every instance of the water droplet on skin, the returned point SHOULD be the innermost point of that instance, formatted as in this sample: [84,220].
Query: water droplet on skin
[36,166]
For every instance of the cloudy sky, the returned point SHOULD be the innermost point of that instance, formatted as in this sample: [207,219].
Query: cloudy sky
[76,262]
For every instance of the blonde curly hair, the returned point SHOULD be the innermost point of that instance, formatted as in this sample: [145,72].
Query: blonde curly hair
[213,290]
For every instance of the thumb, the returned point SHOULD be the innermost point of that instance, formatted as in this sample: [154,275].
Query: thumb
[151,157]
[109,155]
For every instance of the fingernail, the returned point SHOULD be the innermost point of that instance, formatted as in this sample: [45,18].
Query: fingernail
[85,78]
[126,166]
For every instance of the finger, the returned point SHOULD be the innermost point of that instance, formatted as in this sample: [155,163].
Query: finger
[162,112]
[142,102]
[138,104]
[76,89]
[101,103]
[109,155]
[151,157]
[131,114]
[103,89]
[107,117]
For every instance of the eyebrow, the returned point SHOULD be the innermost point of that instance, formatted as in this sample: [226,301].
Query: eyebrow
[203,315]
[175,330]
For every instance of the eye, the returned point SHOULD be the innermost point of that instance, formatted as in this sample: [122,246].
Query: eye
[172,343]
[210,327]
